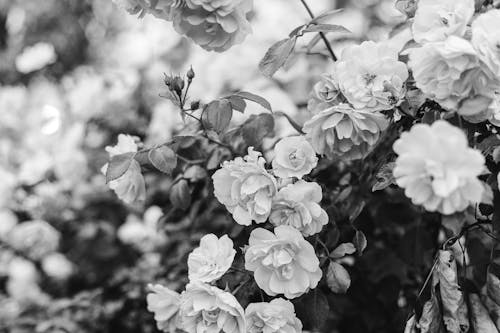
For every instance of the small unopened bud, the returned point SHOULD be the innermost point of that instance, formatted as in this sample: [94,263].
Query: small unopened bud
[167,80]
[190,74]
[195,105]
[177,85]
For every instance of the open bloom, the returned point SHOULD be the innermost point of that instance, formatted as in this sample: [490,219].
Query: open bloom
[486,39]
[297,205]
[211,259]
[277,316]
[342,131]
[435,20]
[437,168]
[438,69]
[283,262]
[206,309]
[295,157]
[36,239]
[246,188]
[164,303]
[371,77]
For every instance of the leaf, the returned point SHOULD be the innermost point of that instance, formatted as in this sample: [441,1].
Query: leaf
[326,28]
[195,173]
[256,99]
[292,122]
[276,56]
[325,15]
[312,43]
[342,250]
[384,177]
[163,158]
[488,145]
[296,31]
[313,309]
[118,165]
[217,115]
[360,242]
[337,278]
[407,7]
[256,128]
[182,141]
[237,103]
[179,196]
[410,326]
[480,319]
[430,320]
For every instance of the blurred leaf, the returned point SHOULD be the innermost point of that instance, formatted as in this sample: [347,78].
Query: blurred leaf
[180,197]
[312,43]
[325,15]
[237,103]
[342,250]
[292,122]
[182,141]
[313,309]
[118,165]
[195,173]
[337,278]
[256,128]
[326,28]
[385,177]
[480,319]
[256,99]
[163,158]
[276,56]
[359,241]
[488,145]
[217,115]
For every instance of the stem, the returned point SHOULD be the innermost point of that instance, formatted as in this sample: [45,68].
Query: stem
[323,37]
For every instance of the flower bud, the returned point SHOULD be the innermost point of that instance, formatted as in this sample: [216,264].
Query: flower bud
[177,85]
[190,74]
[195,105]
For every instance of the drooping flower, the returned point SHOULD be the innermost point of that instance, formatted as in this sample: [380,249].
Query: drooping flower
[297,205]
[277,316]
[438,69]
[486,39]
[211,259]
[164,303]
[437,168]
[294,157]
[205,309]
[371,77]
[342,131]
[246,188]
[35,238]
[283,262]
[435,20]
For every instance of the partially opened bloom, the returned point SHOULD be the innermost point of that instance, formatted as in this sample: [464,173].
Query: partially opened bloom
[211,259]
[246,188]
[164,303]
[294,157]
[342,131]
[435,20]
[371,77]
[277,316]
[437,168]
[206,309]
[297,205]
[325,93]
[486,39]
[283,262]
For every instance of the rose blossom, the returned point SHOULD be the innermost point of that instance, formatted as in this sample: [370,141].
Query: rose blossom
[277,316]
[437,168]
[325,93]
[486,39]
[438,69]
[283,262]
[205,309]
[36,239]
[435,20]
[164,303]
[246,188]
[211,259]
[297,205]
[342,131]
[371,77]
[294,157]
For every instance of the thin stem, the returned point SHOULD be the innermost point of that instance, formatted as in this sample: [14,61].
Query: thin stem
[241,285]
[323,37]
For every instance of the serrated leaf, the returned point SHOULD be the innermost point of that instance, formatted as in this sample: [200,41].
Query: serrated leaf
[343,250]
[118,165]
[217,115]
[337,278]
[360,241]
[256,128]
[276,56]
[237,103]
[296,31]
[256,99]
[163,158]
[180,196]
[384,177]
[321,27]
[292,122]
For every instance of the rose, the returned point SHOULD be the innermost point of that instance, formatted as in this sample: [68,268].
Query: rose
[435,20]
[437,168]
[294,157]
[486,39]
[342,131]
[211,259]
[164,303]
[57,266]
[283,262]
[246,188]
[371,77]
[325,93]
[297,205]
[277,316]
[205,308]
[35,238]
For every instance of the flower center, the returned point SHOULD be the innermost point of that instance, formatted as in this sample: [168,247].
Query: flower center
[369,78]
[210,316]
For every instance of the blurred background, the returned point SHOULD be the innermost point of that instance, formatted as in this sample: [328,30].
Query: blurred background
[73,75]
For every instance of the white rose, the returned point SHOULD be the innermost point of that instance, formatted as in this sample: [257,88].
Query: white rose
[8,221]
[325,93]
[486,39]
[211,259]
[437,168]
[57,266]
[438,68]
[246,188]
[126,144]
[297,205]
[143,235]
[34,238]
[164,303]
[205,309]
[35,57]
[277,316]
[371,77]
[283,262]
[294,157]
[435,20]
